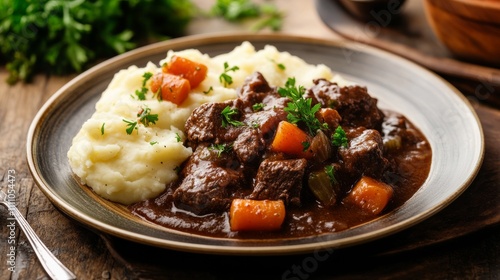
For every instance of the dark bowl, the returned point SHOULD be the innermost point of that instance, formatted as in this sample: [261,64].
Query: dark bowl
[371,9]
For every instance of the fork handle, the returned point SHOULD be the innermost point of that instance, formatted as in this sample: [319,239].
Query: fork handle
[52,265]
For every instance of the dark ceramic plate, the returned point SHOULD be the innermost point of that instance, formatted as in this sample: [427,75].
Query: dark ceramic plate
[438,109]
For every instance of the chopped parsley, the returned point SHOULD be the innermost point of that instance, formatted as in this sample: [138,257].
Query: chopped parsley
[141,93]
[220,148]
[130,126]
[144,117]
[339,137]
[300,109]
[330,171]
[227,117]
[305,145]
[102,128]
[178,137]
[209,90]
[153,143]
[258,106]
[224,78]
[281,66]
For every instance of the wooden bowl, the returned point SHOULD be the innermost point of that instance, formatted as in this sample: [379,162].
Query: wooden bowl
[470,29]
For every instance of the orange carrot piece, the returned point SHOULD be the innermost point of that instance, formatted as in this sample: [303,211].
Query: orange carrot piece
[290,139]
[370,195]
[173,88]
[193,71]
[248,214]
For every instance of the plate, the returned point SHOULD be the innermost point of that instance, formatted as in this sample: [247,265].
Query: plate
[438,109]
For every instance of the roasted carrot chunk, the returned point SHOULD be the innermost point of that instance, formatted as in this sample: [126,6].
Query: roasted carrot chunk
[193,71]
[251,215]
[171,88]
[290,139]
[370,195]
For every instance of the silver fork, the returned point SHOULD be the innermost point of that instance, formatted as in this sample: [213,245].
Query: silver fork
[52,265]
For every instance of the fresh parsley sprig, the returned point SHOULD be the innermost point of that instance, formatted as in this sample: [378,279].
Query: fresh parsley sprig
[227,117]
[300,109]
[224,78]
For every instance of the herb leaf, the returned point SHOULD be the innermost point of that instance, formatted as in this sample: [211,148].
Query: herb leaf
[339,137]
[227,117]
[210,89]
[130,126]
[238,10]
[258,106]
[224,78]
[141,93]
[221,148]
[144,117]
[330,171]
[300,109]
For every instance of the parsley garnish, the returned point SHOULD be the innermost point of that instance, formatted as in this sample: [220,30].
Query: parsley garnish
[208,90]
[258,106]
[281,66]
[224,78]
[227,117]
[102,128]
[300,109]
[178,137]
[141,93]
[305,145]
[144,116]
[330,171]
[339,137]
[220,148]
[130,126]
[153,143]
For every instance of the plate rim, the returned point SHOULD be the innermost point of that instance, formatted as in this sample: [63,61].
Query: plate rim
[203,39]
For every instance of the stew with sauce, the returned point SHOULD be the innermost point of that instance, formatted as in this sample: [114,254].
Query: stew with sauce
[326,156]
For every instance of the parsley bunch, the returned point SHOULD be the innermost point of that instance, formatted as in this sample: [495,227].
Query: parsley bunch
[300,109]
[237,10]
[68,36]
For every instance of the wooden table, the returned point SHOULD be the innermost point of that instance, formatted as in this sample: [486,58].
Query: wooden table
[460,242]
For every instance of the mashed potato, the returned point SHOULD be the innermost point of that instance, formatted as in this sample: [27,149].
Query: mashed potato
[128,168]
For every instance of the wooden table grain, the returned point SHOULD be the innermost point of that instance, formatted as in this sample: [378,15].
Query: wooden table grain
[472,255]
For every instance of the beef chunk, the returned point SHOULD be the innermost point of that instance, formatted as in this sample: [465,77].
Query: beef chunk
[266,121]
[254,89]
[205,123]
[353,103]
[248,146]
[208,183]
[280,179]
[364,156]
